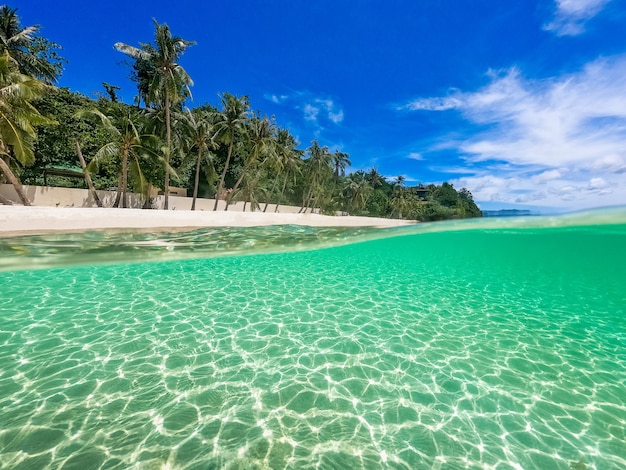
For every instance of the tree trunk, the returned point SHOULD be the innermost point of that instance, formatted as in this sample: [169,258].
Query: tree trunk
[124,178]
[307,200]
[15,182]
[312,201]
[229,196]
[267,203]
[238,183]
[168,134]
[147,203]
[197,181]
[220,188]
[87,176]
[282,192]
[119,193]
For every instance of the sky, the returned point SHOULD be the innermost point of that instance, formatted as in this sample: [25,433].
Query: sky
[523,102]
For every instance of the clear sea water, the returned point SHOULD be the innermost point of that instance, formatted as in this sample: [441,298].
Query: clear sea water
[477,344]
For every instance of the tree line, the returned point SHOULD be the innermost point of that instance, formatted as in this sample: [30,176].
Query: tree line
[227,152]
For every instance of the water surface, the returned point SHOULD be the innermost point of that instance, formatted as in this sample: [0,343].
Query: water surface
[490,344]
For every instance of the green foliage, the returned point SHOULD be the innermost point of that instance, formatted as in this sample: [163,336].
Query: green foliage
[130,148]
[461,202]
[56,145]
[466,205]
[18,116]
[160,80]
[445,195]
[357,191]
[268,167]
[378,204]
[432,211]
[34,55]
[111,91]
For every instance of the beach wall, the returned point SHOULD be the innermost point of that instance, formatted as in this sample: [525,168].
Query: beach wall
[71,197]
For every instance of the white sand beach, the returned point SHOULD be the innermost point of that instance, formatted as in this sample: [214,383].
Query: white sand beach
[20,220]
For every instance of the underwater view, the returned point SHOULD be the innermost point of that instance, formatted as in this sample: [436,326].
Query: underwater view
[493,343]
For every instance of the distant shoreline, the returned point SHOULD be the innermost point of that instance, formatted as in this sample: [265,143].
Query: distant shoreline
[21,220]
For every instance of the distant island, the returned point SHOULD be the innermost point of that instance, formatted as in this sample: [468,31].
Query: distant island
[509,213]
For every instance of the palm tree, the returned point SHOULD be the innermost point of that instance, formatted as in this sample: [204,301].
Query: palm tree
[399,181]
[399,201]
[375,178]
[17,120]
[273,165]
[341,161]
[319,167]
[260,144]
[293,168]
[83,165]
[231,123]
[249,192]
[168,82]
[284,159]
[198,127]
[26,49]
[358,190]
[130,145]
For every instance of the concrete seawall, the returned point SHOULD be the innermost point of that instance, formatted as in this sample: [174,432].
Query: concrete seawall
[48,196]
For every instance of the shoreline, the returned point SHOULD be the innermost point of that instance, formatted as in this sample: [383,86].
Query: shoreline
[39,220]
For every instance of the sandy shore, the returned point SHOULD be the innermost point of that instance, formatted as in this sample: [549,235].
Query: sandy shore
[19,220]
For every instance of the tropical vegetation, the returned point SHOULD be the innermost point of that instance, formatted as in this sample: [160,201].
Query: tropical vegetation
[225,152]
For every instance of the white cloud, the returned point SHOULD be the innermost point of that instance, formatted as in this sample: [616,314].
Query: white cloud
[597,184]
[546,176]
[311,112]
[336,117]
[566,193]
[415,156]
[612,162]
[432,104]
[278,99]
[566,133]
[330,110]
[575,119]
[571,15]
[313,108]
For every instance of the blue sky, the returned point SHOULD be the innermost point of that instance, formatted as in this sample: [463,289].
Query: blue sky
[521,101]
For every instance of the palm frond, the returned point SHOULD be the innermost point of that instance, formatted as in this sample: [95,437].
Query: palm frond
[132,51]
[110,150]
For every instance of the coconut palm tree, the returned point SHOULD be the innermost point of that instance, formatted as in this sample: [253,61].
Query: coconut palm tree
[83,165]
[228,128]
[29,51]
[130,145]
[260,143]
[198,129]
[17,120]
[168,82]
[399,181]
[319,167]
[399,200]
[249,192]
[357,190]
[375,178]
[285,159]
[340,161]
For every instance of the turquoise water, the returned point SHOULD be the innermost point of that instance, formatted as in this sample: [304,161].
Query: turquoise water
[483,344]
